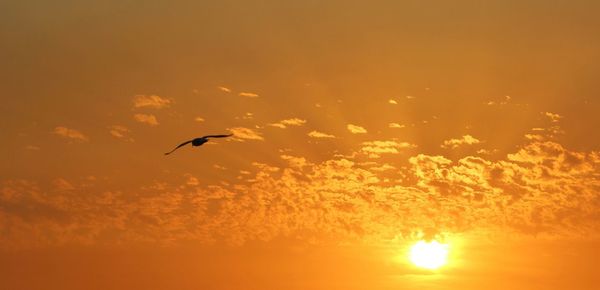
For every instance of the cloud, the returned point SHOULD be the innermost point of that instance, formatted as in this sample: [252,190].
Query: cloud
[62,184]
[288,122]
[191,180]
[393,102]
[374,149]
[70,134]
[317,134]
[242,133]
[199,119]
[152,101]
[354,129]
[32,147]
[540,189]
[553,117]
[396,125]
[120,132]
[146,119]
[464,140]
[224,89]
[249,95]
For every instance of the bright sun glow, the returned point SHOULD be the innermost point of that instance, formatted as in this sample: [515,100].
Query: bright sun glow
[429,255]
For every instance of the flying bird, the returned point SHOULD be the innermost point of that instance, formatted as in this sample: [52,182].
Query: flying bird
[198,141]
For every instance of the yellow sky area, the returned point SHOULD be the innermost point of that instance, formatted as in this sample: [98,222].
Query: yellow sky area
[359,129]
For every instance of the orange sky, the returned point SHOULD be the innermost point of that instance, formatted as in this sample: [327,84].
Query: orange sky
[360,128]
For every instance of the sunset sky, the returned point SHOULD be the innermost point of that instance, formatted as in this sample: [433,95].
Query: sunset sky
[360,128]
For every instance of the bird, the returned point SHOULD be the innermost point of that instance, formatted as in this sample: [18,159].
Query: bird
[198,141]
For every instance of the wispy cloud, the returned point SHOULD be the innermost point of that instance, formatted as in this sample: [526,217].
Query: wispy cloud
[146,119]
[374,149]
[317,134]
[464,140]
[120,132]
[355,129]
[70,134]
[224,89]
[242,133]
[553,116]
[199,119]
[288,122]
[248,94]
[152,101]
[396,125]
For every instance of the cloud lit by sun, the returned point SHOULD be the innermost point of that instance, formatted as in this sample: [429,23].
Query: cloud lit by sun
[375,145]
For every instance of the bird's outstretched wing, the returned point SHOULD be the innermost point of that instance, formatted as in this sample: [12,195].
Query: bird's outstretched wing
[180,145]
[217,136]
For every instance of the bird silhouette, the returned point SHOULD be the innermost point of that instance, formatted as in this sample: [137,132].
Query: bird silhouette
[198,141]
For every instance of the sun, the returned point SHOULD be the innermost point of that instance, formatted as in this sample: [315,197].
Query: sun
[429,255]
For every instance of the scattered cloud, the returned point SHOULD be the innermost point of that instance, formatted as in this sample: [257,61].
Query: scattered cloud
[249,95]
[146,119]
[120,132]
[396,125]
[288,122]
[62,184]
[70,134]
[224,89]
[317,134]
[540,189]
[191,180]
[553,117]
[393,102]
[152,101]
[354,129]
[464,140]
[242,133]
[374,149]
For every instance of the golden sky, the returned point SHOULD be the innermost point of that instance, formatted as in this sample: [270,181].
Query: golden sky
[360,128]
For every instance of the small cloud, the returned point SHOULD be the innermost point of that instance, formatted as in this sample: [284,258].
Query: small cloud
[553,117]
[278,125]
[396,125]
[317,134]
[374,149]
[61,184]
[191,180]
[153,101]
[220,167]
[146,118]
[393,102]
[354,129]
[384,167]
[241,133]
[70,133]
[120,132]
[32,147]
[288,122]
[224,89]
[199,119]
[410,97]
[464,140]
[487,152]
[249,95]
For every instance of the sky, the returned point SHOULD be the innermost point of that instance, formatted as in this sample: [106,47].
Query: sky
[359,129]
